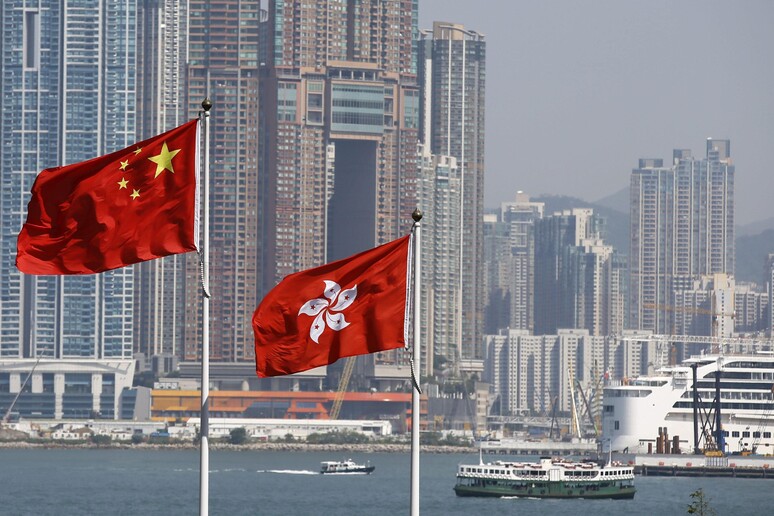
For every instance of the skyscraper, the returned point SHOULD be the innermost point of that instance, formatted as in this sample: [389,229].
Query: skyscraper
[160,286]
[682,227]
[223,66]
[452,63]
[555,236]
[520,216]
[440,192]
[339,129]
[576,282]
[651,253]
[70,97]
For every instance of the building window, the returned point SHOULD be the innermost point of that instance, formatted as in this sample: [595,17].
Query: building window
[31,39]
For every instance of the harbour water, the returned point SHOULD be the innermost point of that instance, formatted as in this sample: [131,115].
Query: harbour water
[166,482]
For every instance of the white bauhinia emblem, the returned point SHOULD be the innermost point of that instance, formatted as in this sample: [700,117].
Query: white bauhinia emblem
[327,310]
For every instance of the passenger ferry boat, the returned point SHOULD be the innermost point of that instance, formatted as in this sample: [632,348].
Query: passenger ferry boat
[346,467]
[549,478]
[634,413]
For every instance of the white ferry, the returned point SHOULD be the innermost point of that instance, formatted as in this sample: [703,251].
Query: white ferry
[549,478]
[346,467]
[635,412]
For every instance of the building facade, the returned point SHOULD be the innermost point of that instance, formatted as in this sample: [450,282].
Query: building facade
[338,133]
[66,388]
[533,374]
[520,216]
[452,73]
[70,96]
[160,286]
[440,193]
[223,39]
[682,226]
[573,280]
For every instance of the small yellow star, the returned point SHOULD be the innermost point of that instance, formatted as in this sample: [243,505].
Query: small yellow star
[122,184]
[124,164]
[135,194]
[137,150]
[163,160]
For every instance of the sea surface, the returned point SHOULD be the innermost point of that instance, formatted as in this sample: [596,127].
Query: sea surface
[166,482]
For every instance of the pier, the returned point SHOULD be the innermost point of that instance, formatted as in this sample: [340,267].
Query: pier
[738,466]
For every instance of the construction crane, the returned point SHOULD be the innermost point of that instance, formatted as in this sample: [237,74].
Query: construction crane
[576,425]
[8,412]
[589,412]
[346,374]
[719,344]
[554,404]
[714,314]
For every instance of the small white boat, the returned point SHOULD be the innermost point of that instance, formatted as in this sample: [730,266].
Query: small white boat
[345,467]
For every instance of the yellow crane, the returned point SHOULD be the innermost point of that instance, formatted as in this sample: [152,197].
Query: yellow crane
[692,310]
[346,374]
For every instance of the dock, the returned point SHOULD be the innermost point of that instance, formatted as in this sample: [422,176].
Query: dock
[732,466]
[703,471]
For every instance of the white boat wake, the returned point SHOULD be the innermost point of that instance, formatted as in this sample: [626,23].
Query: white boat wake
[289,471]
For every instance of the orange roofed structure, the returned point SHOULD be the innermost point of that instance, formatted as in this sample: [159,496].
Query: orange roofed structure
[171,405]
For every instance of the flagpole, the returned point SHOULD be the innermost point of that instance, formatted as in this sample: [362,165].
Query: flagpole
[204,452]
[416,348]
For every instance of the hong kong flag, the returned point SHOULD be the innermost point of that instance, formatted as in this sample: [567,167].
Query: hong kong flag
[130,206]
[354,306]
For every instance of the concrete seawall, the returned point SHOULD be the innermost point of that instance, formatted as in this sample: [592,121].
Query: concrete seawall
[293,447]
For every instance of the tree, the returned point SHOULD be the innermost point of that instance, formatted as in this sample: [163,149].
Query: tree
[100,439]
[238,436]
[700,504]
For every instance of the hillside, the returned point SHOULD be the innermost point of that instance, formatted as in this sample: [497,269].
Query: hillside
[751,254]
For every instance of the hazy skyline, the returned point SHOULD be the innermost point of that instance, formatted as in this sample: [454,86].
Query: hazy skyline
[577,92]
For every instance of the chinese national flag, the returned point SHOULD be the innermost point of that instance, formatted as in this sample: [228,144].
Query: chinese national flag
[350,307]
[130,206]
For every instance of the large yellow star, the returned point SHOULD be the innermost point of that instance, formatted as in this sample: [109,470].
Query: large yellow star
[163,161]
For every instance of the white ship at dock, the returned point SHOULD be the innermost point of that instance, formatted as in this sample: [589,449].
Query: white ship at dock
[655,413]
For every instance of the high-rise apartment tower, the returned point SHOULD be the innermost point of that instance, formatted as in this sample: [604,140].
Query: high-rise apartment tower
[69,96]
[452,73]
[682,227]
[223,40]
[339,130]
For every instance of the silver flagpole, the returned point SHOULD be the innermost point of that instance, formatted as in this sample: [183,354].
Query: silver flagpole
[204,452]
[417,370]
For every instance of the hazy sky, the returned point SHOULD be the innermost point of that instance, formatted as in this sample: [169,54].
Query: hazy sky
[578,91]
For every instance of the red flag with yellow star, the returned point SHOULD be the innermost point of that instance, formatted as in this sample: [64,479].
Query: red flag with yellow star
[127,207]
